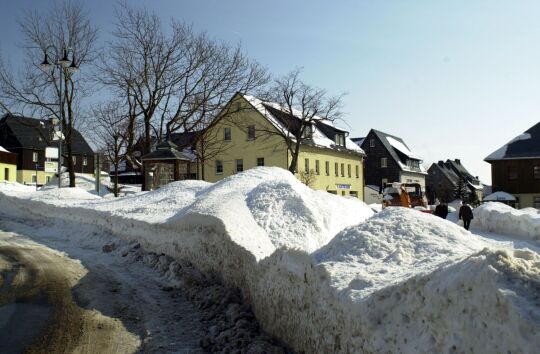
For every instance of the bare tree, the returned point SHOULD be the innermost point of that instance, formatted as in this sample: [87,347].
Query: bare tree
[176,80]
[300,108]
[38,92]
[109,124]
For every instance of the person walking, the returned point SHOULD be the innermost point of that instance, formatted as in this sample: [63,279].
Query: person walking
[441,210]
[404,197]
[466,214]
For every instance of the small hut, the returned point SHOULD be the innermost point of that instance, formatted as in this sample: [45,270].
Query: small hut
[167,164]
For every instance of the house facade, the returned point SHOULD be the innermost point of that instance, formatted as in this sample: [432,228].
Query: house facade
[443,178]
[390,160]
[515,168]
[8,166]
[29,137]
[327,161]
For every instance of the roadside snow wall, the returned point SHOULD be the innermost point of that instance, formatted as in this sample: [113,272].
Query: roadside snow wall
[503,219]
[321,272]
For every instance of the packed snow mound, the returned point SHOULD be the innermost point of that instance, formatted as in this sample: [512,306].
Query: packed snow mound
[60,196]
[392,246]
[503,219]
[156,206]
[270,203]
[294,215]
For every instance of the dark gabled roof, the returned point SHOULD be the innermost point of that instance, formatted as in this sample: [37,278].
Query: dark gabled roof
[460,170]
[446,171]
[184,140]
[358,141]
[166,151]
[399,157]
[32,133]
[524,146]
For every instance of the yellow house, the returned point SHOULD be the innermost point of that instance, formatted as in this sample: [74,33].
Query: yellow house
[327,161]
[8,166]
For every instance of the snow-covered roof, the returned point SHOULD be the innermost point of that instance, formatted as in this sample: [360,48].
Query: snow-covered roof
[2,149]
[523,146]
[319,138]
[500,196]
[396,144]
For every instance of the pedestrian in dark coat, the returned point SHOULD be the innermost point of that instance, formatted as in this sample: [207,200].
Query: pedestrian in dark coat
[466,214]
[441,210]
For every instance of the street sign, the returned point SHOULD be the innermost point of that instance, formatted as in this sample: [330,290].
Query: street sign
[51,167]
[51,153]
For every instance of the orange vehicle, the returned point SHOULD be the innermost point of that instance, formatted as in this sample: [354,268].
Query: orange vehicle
[414,190]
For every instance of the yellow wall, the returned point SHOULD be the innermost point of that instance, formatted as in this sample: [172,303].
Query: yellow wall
[341,185]
[25,176]
[526,200]
[273,149]
[12,172]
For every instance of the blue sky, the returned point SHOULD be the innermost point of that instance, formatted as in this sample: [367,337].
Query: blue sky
[454,79]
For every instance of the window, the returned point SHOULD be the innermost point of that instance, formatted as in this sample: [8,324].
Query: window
[316,167]
[251,132]
[332,192]
[536,172]
[357,171]
[306,165]
[35,156]
[342,170]
[239,165]
[340,139]
[371,143]
[219,167]
[47,179]
[74,159]
[343,193]
[384,162]
[384,181]
[327,168]
[227,134]
[260,161]
[353,194]
[34,179]
[308,132]
[537,202]
[337,169]
[349,170]
[512,173]
[6,174]
[85,161]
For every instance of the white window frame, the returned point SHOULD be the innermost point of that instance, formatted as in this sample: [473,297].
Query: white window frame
[317,167]
[85,161]
[327,168]
[229,130]
[219,164]
[371,143]
[239,165]
[74,159]
[35,156]
[34,179]
[251,132]
[384,162]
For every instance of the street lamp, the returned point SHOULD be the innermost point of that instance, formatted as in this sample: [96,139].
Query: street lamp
[67,68]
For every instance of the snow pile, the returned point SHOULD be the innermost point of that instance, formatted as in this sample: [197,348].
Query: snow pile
[393,246]
[320,271]
[503,219]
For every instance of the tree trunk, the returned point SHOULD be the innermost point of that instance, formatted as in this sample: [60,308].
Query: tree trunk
[294,157]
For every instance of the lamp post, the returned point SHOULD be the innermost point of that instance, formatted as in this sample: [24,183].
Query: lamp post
[67,68]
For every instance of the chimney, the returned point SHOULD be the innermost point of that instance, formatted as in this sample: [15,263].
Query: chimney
[440,163]
[458,161]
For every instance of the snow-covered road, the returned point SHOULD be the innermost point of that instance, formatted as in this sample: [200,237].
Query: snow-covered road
[162,321]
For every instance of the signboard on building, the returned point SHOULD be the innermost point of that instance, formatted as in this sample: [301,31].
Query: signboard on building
[51,153]
[51,167]
[343,186]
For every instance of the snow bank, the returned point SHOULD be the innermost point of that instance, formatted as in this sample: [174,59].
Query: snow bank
[503,219]
[321,272]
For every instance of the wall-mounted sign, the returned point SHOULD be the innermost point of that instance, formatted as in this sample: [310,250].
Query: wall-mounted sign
[51,153]
[343,186]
